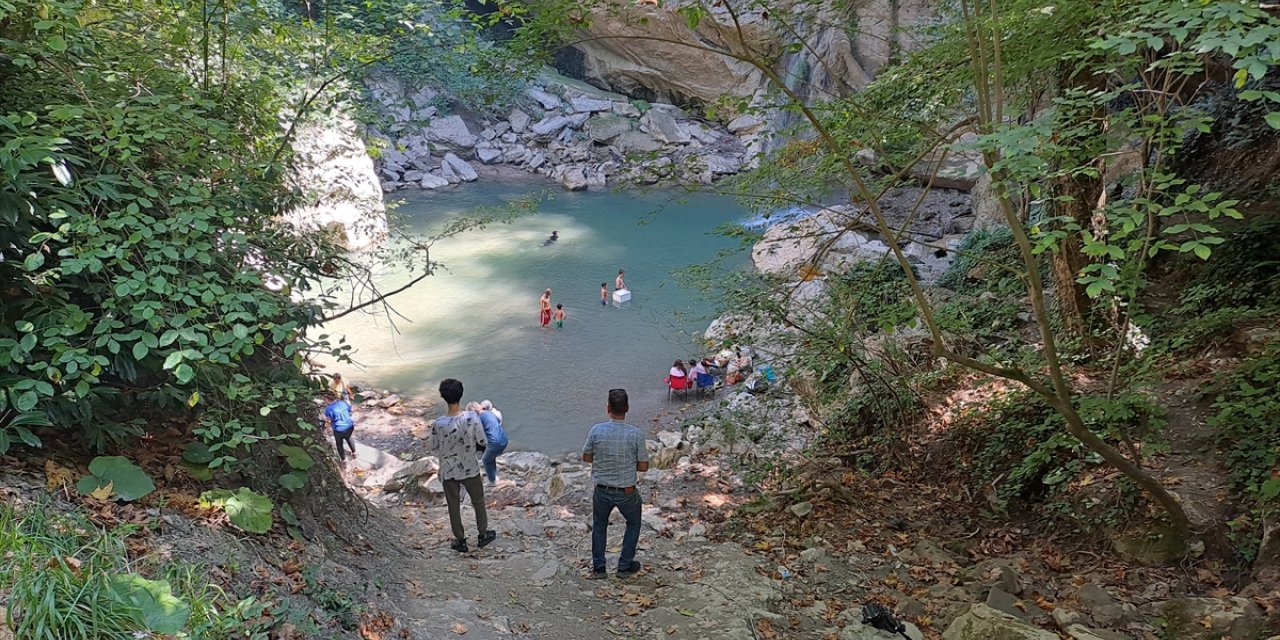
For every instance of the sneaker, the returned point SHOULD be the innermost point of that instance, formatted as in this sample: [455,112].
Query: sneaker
[487,537]
[460,546]
[597,574]
[629,570]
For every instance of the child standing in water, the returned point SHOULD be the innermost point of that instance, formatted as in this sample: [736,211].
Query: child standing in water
[559,316]
[604,294]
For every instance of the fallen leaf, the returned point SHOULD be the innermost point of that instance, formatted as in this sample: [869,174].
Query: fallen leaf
[57,476]
[104,492]
[460,629]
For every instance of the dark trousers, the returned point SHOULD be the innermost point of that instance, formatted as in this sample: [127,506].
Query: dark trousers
[475,488]
[603,502]
[344,436]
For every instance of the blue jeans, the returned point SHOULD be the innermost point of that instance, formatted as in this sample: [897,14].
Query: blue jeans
[490,459]
[602,505]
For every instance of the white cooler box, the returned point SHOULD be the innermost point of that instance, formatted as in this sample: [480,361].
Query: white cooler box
[621,295]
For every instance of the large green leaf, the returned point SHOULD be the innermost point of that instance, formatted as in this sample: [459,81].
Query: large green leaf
[296,457]
[157,608]
[197,453]
[128,481]
[247,509]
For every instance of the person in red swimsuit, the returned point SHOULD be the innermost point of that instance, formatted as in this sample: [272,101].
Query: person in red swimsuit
[544,308]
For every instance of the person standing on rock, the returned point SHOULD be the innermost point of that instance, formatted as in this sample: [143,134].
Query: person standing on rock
[495,436]
[544,308]
[337,416]
[455,438]
[616,452]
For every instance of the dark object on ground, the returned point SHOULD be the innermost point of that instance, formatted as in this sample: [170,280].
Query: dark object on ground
[879,617]
[460,546]
[631,570]
[487,537]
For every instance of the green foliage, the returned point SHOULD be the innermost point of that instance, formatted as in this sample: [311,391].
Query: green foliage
[141,211]
[247,509]
[978,262]
[1240,283]
[1246,424]
[1022,451]
[127,481]
[157,608]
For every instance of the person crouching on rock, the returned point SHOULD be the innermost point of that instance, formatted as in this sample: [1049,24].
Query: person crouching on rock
[337,416]
[616,452]
[494,434]
[455,438]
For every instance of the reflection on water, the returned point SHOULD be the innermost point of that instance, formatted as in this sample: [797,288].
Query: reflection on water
[478,319]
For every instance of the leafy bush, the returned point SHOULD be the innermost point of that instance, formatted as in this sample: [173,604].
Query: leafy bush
[981,250]
[114,476]
[1022,450]
[1246,425]
[140,216]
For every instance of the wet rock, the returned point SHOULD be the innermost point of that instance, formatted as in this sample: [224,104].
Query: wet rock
[981,622]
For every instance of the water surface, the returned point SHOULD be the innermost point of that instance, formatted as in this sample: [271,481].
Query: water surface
[478,320]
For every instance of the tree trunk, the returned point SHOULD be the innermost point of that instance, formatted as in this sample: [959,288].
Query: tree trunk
[1068,261]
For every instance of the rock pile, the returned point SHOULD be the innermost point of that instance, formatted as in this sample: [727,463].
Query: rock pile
[579,138]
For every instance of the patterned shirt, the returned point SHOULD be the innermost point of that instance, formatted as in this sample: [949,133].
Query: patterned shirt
[615,448]
[454,439]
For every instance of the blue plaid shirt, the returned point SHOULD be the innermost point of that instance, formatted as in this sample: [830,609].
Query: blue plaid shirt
[615,448]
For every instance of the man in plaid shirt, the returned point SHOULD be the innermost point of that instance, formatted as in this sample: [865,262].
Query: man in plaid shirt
[616,451]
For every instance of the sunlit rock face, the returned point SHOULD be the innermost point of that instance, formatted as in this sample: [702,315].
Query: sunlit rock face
[341,190]
[648,51]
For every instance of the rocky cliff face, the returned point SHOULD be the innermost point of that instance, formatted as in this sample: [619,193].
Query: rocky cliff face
[649,51]
[567,131]
[342,191]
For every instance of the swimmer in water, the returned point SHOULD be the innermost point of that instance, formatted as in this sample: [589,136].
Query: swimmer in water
[555,235]
[604,293]
[559,316]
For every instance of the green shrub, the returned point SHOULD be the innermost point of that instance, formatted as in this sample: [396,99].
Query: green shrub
[1246,424]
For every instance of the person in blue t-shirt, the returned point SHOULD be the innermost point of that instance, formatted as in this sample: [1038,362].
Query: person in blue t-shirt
[337,416]
[494,434]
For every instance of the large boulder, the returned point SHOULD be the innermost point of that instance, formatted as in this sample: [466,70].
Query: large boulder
[451,132]
[550,127]
[526,461]
[573,178]
[1210,618]
[822,242]
[605,129]
[663,127]
[981,622]
[411,474]
[518,120]
[455,169]
[633,142]
[432,181]
[547,100]
[590,105]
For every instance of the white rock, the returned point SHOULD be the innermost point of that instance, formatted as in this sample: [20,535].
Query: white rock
[519,120]
[745,124]
[433,181]
[549,127]
[452,132]
[547,100]
[488,155]
[663,127]
[590,105]
[455,166]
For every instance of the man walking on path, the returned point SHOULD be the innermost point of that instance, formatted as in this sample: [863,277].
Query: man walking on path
[455,438]
[337,416]
[616,452]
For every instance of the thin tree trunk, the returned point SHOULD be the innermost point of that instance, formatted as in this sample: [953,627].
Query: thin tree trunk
[1068,261]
